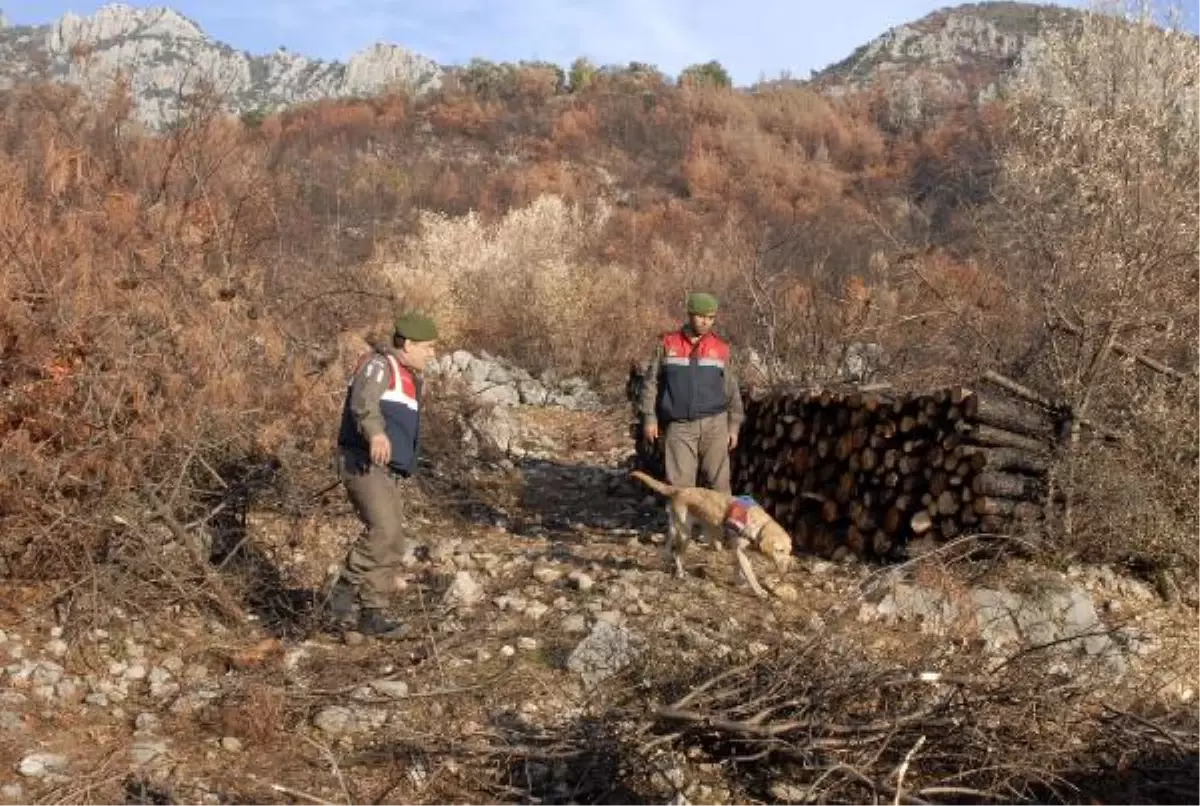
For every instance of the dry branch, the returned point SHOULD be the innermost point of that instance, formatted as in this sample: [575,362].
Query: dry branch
[843,728]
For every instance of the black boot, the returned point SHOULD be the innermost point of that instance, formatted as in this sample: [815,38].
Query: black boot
[372,622]
[341,604]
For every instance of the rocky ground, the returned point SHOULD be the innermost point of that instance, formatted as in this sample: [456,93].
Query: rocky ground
[544,620]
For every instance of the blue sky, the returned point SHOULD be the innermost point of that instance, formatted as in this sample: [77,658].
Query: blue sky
[752,38]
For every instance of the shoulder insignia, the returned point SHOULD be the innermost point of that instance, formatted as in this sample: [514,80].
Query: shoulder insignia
[377,369]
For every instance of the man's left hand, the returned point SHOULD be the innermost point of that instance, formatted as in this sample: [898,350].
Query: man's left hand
[732,440]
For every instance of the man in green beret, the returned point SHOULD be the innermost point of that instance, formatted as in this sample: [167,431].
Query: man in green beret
[377,454]
[692,401]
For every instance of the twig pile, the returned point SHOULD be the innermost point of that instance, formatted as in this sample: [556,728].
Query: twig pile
[834,728]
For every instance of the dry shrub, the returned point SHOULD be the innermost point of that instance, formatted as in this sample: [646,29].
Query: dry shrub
[1099,184]
[257,712]
[148,352]
[1137,502]
[521,287]
[575,128]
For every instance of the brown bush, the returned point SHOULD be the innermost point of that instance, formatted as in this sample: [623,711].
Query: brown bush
[146,340]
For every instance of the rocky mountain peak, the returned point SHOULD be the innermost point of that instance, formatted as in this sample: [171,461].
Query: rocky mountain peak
[120,21]
[995,37]
[165,55]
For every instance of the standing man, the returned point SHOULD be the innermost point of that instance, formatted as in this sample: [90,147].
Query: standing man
[377,453]
[691,399]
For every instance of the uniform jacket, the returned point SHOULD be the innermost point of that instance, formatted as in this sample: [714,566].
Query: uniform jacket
[383,397]
[689,380]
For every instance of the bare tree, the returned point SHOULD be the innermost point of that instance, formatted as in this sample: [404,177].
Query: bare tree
[1099,183]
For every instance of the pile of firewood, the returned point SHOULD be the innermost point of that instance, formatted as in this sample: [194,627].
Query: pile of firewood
[866,472]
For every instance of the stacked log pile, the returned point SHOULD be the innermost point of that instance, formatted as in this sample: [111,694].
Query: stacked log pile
[867,473]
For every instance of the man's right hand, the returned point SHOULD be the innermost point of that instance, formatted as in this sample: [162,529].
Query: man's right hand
[650,431]
[381,449]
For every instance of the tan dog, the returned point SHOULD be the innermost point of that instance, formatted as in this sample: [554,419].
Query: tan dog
[715,511]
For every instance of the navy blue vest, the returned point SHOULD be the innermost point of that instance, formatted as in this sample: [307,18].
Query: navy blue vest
[400,407]
[693,377]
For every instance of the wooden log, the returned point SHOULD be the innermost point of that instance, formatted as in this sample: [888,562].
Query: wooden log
[994,524]
[800,459]
[1009,416]
[947,503]
[890,457]
[868,459]
[1005,507]
[844,446]
[845,488]
[1017,389]
[856,540]
[1008,459]
[921,522]
[1005,485]
[990,436]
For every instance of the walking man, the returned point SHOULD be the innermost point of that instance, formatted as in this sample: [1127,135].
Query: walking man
[377,454]
[691,400]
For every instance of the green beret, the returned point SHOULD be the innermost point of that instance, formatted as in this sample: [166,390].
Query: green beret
[415,327]
[701,304]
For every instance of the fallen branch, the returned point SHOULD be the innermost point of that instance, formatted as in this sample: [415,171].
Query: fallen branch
[1025,393]
[225,602]
[781,728]
[299,793]
[1117,347]
[904,768]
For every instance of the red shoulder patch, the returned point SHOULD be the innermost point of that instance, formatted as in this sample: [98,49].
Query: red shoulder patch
[408,384]
[676,345]
[713,346]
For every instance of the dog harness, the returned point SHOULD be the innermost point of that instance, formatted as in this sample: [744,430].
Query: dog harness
[738,513]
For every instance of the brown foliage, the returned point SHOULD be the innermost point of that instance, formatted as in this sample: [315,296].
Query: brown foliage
[575,128]
[174,301]
[145,331]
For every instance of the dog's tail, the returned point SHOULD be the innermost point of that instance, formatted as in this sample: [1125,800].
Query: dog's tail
[653,483]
